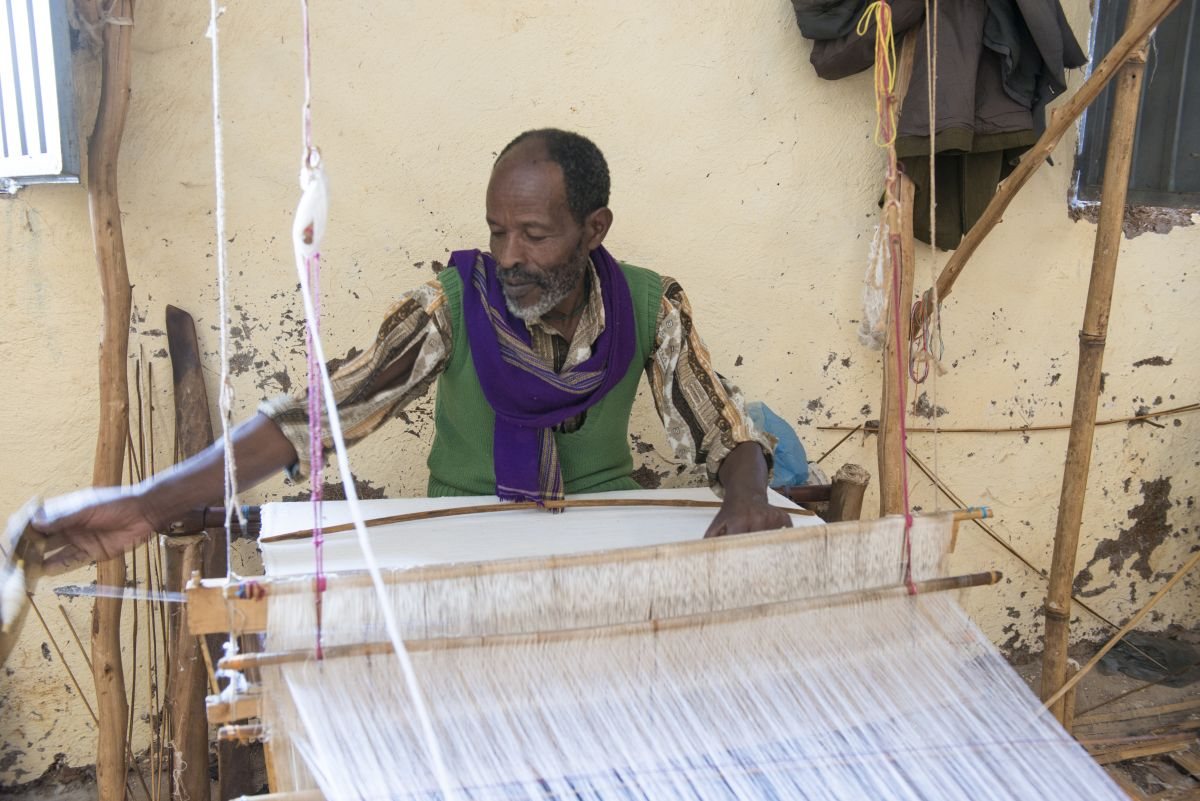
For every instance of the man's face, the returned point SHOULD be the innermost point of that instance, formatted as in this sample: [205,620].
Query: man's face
[540,249]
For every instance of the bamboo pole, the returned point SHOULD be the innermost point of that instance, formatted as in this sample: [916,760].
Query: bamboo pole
[1126,95]
[517,506]
[244,662]
[1062,119]
[889,446]
[1059,691]
[112,706]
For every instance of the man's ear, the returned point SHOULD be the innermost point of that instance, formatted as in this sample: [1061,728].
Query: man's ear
[595,227]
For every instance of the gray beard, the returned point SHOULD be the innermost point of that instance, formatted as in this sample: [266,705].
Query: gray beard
[555,286]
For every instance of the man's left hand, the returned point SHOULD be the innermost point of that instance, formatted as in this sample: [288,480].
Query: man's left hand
[739,516]
[743,473]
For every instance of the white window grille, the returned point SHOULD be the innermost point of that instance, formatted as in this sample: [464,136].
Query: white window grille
[38,138]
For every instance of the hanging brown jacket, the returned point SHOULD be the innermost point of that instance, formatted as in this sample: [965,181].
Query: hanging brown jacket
[998,63]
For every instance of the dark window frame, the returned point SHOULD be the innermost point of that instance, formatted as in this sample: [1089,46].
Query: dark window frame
[1166,163]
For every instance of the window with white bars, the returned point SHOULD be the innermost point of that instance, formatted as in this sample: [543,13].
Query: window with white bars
[38,138]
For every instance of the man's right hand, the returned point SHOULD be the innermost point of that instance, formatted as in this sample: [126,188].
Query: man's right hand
[98,524]
[92,525]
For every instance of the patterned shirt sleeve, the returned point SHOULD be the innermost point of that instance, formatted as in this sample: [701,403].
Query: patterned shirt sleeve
[704,414]
[374,386]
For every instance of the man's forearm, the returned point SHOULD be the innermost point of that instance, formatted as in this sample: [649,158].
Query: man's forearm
[743,472]
[260,450]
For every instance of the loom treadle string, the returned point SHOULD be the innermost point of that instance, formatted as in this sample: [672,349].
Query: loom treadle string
[308,229]
[309,239]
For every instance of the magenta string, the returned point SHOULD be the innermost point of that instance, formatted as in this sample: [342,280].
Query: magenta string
[316,450]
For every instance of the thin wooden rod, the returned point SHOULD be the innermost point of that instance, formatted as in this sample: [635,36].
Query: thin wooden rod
[1003,543]
[636,553]
[1179,671]
[1140,712]
[1128,627]
[1092,336]
[1061,120]
[243,662]
[484,508]
[1137,418]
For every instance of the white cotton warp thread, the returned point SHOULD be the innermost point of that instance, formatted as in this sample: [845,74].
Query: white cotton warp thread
[900,698]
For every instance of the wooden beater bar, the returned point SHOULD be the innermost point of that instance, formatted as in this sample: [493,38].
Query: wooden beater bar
[243,662]
[214,606]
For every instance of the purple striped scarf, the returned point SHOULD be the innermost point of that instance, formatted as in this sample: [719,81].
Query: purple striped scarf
[528,397]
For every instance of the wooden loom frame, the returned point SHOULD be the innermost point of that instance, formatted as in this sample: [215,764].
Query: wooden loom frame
[215,606]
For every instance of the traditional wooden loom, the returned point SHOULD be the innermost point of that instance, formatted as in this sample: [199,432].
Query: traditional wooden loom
[674,616]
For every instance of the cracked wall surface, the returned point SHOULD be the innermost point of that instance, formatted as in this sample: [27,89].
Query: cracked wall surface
[734,169]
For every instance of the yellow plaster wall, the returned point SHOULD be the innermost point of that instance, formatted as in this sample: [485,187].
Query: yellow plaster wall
[734,169]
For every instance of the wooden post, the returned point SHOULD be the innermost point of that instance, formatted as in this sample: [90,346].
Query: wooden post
[1127,90]
[187,689]
[846,498]
[116,297]
[890,448]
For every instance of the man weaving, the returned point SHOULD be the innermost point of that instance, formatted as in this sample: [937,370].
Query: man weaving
[537,347]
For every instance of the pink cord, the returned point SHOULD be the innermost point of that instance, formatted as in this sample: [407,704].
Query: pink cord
[316,451]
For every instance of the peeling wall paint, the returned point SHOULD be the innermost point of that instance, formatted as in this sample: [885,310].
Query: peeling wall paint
[734,169]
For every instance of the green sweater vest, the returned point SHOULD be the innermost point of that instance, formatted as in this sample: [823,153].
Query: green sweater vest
[595,458]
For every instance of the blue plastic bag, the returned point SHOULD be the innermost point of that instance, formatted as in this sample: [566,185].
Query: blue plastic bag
[791,462]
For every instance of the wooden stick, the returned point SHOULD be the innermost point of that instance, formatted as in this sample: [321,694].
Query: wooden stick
[1137,29]
[1111,421]
[1134,714]
[243,662]
[239,707]
[1119,159]
[78,689]
[889,447]
[1128,627]
[485,508]
[63,659]
[115,295]
[1144,748]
